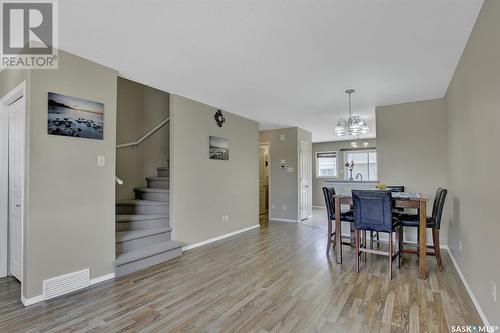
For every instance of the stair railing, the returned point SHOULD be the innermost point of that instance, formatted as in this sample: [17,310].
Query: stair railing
[145,136]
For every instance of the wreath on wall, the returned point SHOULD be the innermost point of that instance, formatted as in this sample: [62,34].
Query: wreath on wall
[219,118]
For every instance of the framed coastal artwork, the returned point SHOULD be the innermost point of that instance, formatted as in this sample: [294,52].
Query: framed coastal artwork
[218,148]
[75,117]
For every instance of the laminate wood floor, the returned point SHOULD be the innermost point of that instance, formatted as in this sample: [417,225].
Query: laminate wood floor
[276,279]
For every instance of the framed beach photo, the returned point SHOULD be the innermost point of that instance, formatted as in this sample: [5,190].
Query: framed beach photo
[75,117]
[218,148]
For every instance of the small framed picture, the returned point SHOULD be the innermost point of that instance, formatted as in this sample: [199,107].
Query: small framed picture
[218,148]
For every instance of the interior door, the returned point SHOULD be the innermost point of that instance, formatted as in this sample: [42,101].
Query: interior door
[16,186]
[304,180]
[263,186]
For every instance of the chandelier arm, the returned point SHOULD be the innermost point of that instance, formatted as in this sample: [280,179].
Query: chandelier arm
[350,113]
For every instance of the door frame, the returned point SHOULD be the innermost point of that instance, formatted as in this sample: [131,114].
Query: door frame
[15,94]
[308,159]
[268,144]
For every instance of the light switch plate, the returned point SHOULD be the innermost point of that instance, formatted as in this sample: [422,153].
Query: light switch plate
[101,160]
[282,137]
[289,169]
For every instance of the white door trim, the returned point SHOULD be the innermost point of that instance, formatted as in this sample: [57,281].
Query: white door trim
[12,96]
[300,170]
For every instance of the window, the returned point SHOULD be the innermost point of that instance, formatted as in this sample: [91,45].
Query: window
[326,164]
[365,164]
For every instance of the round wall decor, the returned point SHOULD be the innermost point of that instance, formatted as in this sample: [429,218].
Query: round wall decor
[219,118]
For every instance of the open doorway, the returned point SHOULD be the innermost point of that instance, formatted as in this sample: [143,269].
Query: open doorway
[264,182]
[12,183]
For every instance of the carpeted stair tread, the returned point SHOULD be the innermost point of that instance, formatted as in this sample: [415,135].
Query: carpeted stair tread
[146,252]
[123,236]
[149,189]
[139,217]
[138,202]
[156,178]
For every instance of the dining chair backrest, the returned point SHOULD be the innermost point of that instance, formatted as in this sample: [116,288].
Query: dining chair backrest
[396,188]
[328,193]
[373,210]
[437,208]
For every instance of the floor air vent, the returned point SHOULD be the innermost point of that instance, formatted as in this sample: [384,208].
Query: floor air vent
[67,283]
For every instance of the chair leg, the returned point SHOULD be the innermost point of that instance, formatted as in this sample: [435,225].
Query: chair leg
[356,250]
[400,245]
[437,248]
[364,245]
[329,236]
[389,268]
[353,233]
[378,240]
[371,240]
[398,241]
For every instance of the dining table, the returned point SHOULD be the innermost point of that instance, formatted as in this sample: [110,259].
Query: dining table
[400,200]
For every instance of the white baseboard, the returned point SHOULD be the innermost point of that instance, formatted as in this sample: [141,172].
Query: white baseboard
[211,240]
[41,298]
[469,290]
[282,220]
[32,300]
[102,278]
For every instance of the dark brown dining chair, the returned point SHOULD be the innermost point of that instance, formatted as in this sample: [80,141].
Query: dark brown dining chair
[373,212]
[433,222]
[328,193]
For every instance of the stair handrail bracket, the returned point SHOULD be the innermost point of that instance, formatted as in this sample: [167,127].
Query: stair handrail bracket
[145,136]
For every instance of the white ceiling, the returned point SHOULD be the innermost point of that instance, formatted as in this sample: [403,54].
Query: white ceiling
[280,62]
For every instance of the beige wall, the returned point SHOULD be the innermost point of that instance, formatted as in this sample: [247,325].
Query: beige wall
[70,222]
[139,109]
[204,190]
[473,118]
[283,188]
[319,182]
[9,79]
[411,151]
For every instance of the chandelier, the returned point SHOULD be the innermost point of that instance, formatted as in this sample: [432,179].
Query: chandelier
[353,125]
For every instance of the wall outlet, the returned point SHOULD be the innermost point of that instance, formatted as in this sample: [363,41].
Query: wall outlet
[494,291]
[284,207]
[273,206]
[225,219]
[460,245]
